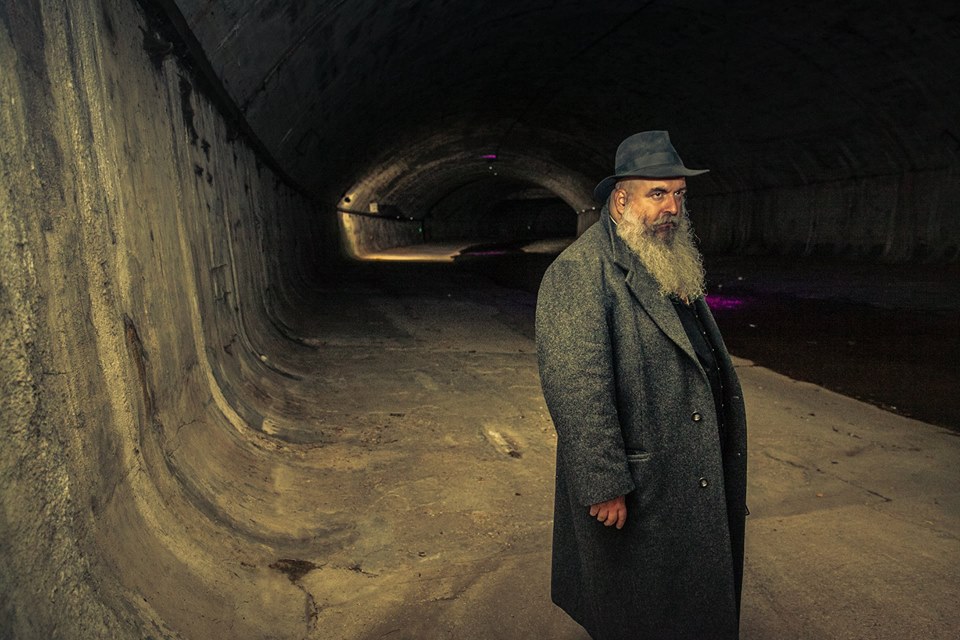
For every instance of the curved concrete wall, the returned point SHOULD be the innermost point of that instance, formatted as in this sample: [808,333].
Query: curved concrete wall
[910,217]
[147,260]
[362,235]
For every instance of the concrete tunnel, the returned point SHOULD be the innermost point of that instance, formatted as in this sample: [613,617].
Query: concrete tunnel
[199,380]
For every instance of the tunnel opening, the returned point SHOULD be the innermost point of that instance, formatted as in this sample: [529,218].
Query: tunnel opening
[494,211]
[432,201]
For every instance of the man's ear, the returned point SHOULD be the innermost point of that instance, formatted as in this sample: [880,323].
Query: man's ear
[619,204]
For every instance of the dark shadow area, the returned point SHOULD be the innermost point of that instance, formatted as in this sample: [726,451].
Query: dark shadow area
[901,360]
[499,210]
[895,356]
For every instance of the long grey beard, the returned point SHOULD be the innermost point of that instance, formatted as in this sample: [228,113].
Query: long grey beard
[675,264]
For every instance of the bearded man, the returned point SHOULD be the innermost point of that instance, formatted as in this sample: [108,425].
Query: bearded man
[651,454]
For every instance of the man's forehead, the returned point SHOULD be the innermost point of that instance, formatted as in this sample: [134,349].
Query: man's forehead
[648,184]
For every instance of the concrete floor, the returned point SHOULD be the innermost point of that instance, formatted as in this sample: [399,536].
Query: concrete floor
[427,454]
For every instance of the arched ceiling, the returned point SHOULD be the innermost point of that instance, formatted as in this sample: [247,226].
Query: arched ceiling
[366,92]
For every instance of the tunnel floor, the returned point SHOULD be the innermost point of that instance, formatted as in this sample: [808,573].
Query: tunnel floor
[885,334]
[421,396]
[429,459]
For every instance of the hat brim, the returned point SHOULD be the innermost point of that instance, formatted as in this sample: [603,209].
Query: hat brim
[605,186]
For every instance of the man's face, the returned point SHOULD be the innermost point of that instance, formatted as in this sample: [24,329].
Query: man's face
[652,221]
[655,204]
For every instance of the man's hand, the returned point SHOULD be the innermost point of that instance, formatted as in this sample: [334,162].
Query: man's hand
[611,512]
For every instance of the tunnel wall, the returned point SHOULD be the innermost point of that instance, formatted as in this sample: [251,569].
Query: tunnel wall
[899,218]
[362,235]
[143,249]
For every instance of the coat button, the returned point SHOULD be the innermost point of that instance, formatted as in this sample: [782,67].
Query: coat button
[704,483]
[696,417]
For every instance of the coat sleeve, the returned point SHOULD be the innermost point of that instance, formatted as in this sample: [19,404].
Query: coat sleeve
[577,375]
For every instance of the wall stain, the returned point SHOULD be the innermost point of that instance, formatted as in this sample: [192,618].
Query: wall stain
[139,355]
[186,108]
[293,568]
[156,47]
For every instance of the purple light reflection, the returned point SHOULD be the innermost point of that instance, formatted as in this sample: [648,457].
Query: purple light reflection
[488,156]
[725,303]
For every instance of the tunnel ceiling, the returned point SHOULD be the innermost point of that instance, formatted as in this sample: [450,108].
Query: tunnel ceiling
[763,93]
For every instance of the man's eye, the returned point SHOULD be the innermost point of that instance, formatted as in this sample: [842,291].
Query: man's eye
[657,195]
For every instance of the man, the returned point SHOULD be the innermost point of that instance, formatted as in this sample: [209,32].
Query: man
[651,454]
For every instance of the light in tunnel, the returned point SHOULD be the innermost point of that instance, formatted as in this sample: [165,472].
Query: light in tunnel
[487,252]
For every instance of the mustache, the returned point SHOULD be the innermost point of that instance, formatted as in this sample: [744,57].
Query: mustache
[667,222]
[670,219]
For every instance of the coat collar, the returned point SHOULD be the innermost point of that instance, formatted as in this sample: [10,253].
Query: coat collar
[645,288]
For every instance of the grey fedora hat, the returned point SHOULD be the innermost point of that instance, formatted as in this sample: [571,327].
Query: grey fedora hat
[647,154]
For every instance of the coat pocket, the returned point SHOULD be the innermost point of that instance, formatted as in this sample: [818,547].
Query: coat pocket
[635,455]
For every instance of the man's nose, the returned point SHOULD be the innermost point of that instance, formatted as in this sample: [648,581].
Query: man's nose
[671,205]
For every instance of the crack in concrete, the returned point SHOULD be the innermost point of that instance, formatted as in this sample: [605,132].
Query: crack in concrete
[791,463]
[295,570]
[803,467]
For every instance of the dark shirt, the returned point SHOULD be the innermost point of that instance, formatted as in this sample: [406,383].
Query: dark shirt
[706,354]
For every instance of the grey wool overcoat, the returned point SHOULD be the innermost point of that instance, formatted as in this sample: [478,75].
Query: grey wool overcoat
[635,416]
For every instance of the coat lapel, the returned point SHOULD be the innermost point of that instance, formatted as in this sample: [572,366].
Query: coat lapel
[646,291]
